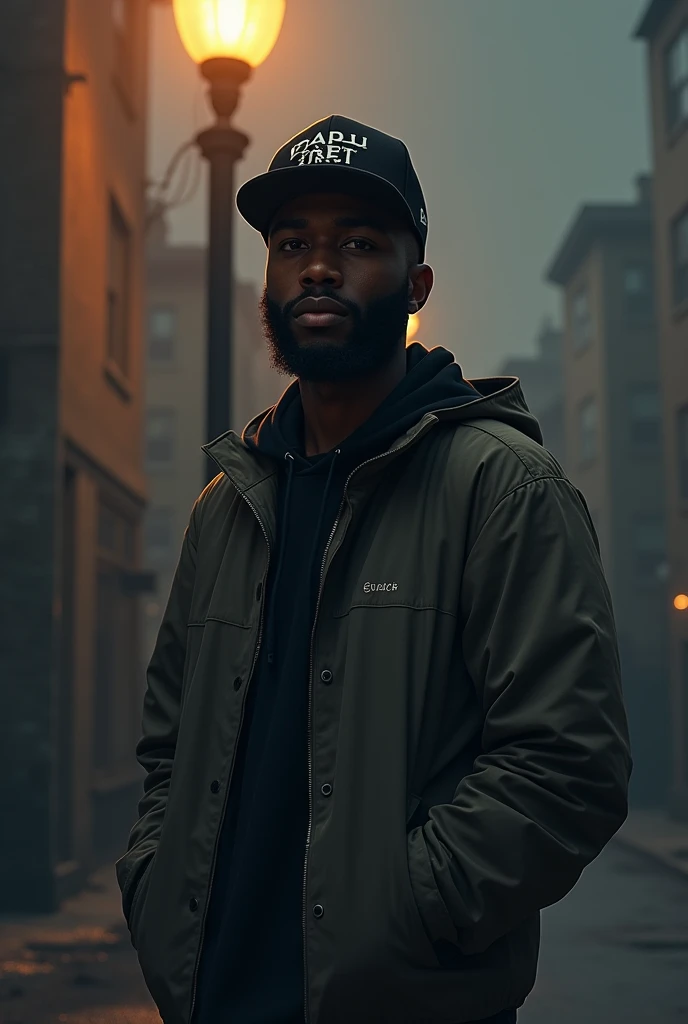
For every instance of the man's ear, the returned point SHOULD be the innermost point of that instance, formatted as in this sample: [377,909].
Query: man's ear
[421,280]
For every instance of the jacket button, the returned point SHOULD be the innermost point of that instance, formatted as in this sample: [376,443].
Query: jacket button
[326,675]
[326,789]
[214,786]
[193,903]
[237,683]
[318,910]
[259,590]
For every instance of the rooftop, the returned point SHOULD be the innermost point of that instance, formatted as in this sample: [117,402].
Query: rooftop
[599,220]
[653,16]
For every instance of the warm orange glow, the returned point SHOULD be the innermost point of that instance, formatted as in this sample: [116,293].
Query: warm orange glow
[681,602]
[243,29]
[412,329]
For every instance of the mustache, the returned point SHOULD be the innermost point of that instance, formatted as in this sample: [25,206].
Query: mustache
[321,293]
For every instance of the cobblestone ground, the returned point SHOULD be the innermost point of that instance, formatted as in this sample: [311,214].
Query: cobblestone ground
[614,952]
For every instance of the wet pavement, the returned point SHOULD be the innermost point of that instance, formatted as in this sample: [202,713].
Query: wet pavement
[613,952]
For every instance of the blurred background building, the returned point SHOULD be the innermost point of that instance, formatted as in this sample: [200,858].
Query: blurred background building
[175,398]
[73,117]
[613,448]
[664,27]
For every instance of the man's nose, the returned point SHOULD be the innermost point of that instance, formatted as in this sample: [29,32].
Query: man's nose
[320,271]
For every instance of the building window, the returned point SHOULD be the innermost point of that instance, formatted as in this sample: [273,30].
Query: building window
[162,325]
[645,415]
[649,545]
[160,438]
[115,710]
[677,80]
[160,536]
[118,290]
[638,291]
[682,449]
[581,318]
[587,430]
[679,247]
[123,27]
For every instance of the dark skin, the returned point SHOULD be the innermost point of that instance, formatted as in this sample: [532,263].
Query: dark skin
[368,257]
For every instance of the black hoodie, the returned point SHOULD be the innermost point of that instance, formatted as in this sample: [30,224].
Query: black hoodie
[252,969]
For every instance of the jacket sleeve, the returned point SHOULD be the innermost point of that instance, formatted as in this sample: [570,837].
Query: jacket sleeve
[161,710]
[550,788]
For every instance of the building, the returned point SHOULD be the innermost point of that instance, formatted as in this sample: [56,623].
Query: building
[664,27]
[175,398]
[613,450]
[73,118]
[542,381]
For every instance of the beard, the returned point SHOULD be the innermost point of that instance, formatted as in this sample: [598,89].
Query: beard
[373,339]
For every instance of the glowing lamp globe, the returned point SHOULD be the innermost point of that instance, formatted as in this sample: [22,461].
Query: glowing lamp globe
[681,602]
[242,30]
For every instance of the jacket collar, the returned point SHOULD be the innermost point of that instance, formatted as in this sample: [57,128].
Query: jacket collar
[246,467]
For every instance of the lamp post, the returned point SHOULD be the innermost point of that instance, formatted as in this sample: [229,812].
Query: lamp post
[227,39]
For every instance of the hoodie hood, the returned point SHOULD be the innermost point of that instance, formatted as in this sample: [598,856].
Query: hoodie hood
[434,382]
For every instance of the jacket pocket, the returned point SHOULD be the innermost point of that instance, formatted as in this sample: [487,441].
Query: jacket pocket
[138,902]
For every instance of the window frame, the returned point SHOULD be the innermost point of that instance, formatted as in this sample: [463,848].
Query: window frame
[151,337]
[681,427]
[582,341]
[675,125]
[679,289]
[162,465]
[641,310]
[118,303]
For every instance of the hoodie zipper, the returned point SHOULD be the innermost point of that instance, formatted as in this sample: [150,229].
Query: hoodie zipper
[194,983]
[383,455]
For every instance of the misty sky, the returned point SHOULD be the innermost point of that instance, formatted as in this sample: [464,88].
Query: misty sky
[514,111]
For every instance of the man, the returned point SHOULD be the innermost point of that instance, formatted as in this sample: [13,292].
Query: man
[383,725]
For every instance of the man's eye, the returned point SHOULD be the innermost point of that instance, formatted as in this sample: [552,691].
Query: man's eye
[286,245]
[359,243]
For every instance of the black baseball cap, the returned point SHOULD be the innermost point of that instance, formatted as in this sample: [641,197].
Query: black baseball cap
[337,154]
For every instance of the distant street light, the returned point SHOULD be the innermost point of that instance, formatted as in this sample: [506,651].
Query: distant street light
[412,328]
[227,39]
[681,602]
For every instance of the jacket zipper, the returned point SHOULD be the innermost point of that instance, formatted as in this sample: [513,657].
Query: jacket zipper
[194,983]
[310,701]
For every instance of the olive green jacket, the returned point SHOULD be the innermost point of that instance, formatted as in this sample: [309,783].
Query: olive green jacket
[465,708]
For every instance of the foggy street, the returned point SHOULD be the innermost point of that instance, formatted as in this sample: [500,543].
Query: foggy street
[613,952]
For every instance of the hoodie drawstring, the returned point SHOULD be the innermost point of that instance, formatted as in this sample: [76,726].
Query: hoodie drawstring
[314,550]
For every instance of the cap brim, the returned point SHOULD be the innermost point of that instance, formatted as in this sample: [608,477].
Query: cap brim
[259,199]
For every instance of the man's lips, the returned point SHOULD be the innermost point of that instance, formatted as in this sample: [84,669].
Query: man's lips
[319,312]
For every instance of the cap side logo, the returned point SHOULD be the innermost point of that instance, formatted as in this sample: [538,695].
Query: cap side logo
[423,218]
[333,150]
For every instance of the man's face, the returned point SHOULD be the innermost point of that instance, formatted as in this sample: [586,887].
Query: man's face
[336,299]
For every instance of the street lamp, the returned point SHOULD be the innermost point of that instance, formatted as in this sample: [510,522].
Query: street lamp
[227,39]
